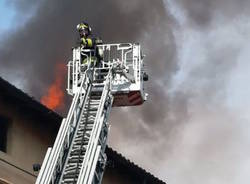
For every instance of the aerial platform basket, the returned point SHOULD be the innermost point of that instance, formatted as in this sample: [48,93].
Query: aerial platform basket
[126,62]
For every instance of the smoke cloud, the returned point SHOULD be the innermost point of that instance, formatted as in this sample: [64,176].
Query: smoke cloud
[194,127]
[203,13]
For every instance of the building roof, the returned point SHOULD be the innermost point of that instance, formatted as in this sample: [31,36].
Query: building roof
[126,165]
[17,96]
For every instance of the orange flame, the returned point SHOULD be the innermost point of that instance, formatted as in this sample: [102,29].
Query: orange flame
[54,99]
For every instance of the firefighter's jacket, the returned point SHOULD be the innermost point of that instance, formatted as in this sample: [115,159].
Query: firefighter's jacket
[90,43]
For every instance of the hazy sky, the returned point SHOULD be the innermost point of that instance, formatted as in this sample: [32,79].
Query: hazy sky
[6,16]
[195,126]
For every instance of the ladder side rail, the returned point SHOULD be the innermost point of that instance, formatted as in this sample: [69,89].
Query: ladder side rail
[65,140]
[135,55]
[77,123]
[93,165]
[100,138]
[109,54]
[71,121]
[140,65]
[91,149]
[107,114]
[76,73]
[141,71]
[102,154]
[70,78]
[55,147]
[58,147]
[74,68]
[84,134]
[123,61]
[134,66]
[61,141]
[75,114]
[83,173]
[98,154]
[49,169]
[44,166]
[136,63]
[93,152]
[105,93]
[42,173]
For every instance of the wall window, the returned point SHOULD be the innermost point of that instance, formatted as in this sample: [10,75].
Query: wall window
[4,122]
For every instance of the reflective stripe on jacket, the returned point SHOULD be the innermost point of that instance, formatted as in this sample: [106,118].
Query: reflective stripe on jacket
[90,42]
[92,59]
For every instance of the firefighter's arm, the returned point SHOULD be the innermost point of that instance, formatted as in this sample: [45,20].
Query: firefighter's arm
[89,42]
[83,42]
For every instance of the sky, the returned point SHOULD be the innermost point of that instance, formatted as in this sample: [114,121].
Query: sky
[195,126]
[6,16]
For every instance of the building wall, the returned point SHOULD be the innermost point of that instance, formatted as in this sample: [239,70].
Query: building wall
[10,172]
[27,140]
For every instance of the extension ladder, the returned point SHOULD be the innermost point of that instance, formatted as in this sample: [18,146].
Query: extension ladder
[78,155]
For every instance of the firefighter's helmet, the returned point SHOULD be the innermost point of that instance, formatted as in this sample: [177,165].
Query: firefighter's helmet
[84,29]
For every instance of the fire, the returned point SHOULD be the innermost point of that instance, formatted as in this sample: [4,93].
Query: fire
[54,99]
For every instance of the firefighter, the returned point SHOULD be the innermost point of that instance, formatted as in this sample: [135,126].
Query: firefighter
[90,52]
[87,41]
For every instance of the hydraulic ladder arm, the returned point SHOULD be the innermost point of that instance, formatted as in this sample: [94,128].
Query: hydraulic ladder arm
[78,154]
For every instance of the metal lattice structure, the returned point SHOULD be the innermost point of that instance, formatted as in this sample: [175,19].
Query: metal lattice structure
[109,75]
